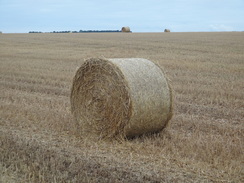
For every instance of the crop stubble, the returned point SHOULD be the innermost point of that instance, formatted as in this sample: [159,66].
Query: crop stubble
[203,143]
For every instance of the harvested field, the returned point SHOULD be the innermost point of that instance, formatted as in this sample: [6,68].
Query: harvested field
[204,142]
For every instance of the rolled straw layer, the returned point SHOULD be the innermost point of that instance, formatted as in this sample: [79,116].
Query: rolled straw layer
[120,97]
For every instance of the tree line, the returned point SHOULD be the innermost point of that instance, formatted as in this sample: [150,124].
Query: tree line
[80,31]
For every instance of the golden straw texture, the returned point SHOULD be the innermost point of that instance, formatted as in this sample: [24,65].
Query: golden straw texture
[120,97]
[125,29]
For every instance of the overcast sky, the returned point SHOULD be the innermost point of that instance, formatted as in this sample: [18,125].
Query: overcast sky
[139,15]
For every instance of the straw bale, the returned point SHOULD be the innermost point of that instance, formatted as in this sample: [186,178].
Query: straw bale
[125,29]
[123,97]
[166,30]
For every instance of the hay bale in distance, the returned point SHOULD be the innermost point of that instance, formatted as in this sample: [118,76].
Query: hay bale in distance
[123,97]
[125,29]
[166,30]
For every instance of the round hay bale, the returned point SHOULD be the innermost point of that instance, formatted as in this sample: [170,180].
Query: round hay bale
[166,30]
[125,29]
[120,97]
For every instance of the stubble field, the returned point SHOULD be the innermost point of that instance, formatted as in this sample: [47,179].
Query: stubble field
[204,142]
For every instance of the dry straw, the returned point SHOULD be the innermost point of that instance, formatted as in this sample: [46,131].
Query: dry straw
[120,97]
[125,29]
